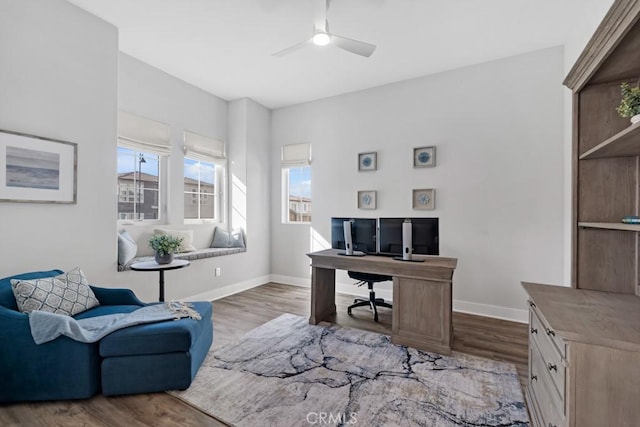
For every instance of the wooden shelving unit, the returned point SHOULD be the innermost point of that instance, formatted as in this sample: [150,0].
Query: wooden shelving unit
[575,379]
[623,144]
[606,157]
[610,226]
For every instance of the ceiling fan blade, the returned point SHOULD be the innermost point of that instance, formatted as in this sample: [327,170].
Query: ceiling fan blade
[353,46]
[292,48]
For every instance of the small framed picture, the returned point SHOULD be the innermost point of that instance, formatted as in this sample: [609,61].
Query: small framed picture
[367,199]
[424,199]
[424,157]
[367,161]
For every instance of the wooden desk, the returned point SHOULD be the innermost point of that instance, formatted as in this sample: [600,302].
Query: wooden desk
[421,316]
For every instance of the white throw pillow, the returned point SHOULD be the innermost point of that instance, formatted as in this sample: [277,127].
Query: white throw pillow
[127,247]
[186,235]
[224,239]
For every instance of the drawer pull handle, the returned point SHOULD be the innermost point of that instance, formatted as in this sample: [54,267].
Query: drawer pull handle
[532,304]
[534,330]
[550,332]
[552,425]
[552,367]
[534,378]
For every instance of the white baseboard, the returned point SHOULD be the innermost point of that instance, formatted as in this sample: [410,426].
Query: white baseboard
[487,310]
[504,313]
[234,288]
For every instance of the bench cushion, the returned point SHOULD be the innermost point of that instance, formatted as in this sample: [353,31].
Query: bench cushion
[189,256]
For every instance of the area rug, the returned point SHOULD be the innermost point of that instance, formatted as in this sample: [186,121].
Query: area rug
[289,373]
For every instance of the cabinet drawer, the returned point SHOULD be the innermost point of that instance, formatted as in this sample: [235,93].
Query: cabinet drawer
[547,330]
[549,405]
[550,360]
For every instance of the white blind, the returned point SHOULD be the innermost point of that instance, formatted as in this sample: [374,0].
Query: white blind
[203,148]
[142,134]
[296,154]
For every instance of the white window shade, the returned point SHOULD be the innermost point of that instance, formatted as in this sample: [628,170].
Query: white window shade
[142,134]
[200,147]
[296,154]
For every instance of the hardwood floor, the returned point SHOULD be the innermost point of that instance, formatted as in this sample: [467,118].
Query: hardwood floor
[235,315]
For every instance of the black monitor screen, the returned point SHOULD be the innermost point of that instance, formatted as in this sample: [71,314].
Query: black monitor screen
[424,236]
[363,234]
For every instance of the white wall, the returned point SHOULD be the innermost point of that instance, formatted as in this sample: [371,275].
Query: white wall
[149,92]
[498,128]
[62,77]
[58,79]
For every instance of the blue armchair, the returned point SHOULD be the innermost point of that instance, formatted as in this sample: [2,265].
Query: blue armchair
[60,369]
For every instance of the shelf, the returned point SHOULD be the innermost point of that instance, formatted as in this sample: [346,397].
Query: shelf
[622,144]
[610,226]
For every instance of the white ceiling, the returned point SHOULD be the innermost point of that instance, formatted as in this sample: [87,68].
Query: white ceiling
[225,46]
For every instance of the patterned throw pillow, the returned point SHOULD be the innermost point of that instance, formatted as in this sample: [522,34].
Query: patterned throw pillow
[68,293]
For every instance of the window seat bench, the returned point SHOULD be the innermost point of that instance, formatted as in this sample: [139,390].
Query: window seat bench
[190,256]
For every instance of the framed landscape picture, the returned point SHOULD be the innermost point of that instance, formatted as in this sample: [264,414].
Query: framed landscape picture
[36,169]
[367,161]
[424,157]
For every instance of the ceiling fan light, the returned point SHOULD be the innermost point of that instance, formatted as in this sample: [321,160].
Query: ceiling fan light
[321,39]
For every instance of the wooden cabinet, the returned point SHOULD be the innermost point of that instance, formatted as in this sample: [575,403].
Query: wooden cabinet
[584,341]
[584,357]
[606,150]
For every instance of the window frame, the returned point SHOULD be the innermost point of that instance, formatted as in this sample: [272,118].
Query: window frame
[286,197]
[219,195]
[163,165]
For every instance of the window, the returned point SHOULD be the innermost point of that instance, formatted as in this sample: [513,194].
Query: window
[143,147]
[138,185]
[296,183]
[201,184]
[204,178]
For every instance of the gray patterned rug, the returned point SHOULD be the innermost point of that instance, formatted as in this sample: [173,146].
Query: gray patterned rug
[289,373]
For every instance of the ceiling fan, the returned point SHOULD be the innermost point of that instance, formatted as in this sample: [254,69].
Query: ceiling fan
[322,36]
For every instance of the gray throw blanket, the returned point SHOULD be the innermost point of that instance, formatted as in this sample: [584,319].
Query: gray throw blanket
[46,326]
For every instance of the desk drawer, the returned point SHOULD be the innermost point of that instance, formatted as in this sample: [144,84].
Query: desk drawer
[549,358]
[547,330]
[550,407]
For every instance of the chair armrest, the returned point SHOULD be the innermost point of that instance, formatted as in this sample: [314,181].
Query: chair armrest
[112,296]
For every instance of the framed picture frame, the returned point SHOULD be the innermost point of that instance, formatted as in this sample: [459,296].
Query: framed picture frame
[367,161]
[424,199]
[34,169]
[424,157]
[367,199]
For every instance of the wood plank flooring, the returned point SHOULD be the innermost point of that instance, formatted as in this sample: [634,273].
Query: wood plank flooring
[234,316]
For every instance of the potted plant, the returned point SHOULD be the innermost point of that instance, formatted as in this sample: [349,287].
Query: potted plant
[165,246]
[630,104]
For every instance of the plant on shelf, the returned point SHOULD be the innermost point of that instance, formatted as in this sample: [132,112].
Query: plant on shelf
[630,104]
[165,246]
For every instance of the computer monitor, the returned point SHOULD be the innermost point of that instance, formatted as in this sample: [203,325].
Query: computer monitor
[424,235]
[363,234]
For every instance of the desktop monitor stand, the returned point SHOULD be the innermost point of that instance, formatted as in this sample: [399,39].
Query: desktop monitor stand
[355,253]
[399,258]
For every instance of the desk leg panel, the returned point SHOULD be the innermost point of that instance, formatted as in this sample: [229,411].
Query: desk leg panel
[323,294]
[422,314]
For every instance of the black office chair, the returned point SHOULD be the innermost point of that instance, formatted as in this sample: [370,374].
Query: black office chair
[372,302]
